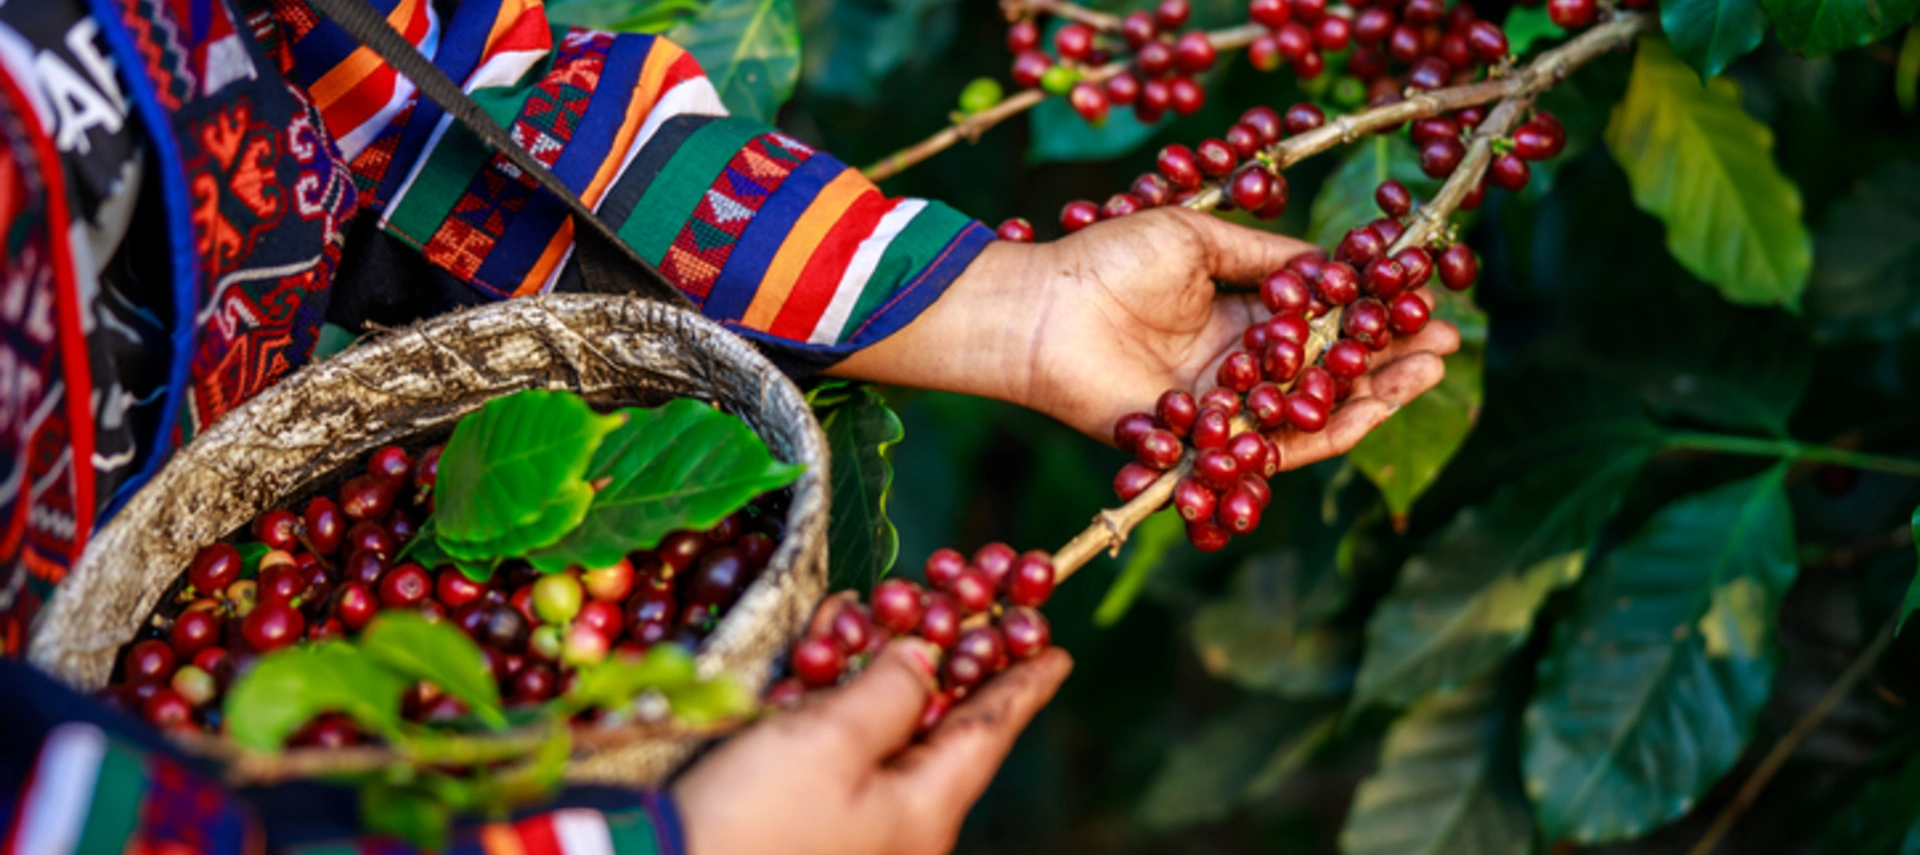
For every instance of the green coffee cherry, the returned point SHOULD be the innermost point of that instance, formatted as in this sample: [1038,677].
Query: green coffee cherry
[1059,80]
[981,94]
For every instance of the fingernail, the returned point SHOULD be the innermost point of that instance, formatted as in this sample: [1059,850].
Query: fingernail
[922,654]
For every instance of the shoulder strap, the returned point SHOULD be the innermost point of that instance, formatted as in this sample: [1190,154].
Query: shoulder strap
[607,264]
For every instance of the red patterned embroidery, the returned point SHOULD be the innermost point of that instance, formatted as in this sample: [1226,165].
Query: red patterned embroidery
[235,192]
[546,123]
[705,243]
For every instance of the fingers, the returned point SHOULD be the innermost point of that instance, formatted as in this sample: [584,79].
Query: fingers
[1239,255]
[1383,392]
[877,714]
[954,765]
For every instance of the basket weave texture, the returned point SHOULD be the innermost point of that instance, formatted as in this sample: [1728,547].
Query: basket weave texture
[281,445]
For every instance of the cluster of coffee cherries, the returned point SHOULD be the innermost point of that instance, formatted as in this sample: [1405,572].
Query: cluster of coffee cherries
[1236,162]
[327,571]
[1158,79]
[1268,384]
[982,613]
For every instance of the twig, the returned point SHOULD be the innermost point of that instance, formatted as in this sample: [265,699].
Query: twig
[1538,76]
[971,127]
[245,767]
[1017,9]
[1802,728]
[1111,526]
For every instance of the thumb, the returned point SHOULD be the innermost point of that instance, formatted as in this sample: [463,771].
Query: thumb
[1240,255]
[880,710]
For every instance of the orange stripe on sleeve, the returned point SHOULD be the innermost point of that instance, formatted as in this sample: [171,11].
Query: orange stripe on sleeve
[812,228]
[363,62]
[829,263]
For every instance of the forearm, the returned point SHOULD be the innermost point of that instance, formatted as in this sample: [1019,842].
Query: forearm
[978,339]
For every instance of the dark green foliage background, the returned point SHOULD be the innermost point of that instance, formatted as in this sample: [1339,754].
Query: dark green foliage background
[1218,714]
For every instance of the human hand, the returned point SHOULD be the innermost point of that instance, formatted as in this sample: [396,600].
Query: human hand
[1098,324]
[842,775]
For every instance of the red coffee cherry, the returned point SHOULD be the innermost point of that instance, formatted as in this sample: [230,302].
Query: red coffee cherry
[1264,121]
[1032,580]
[1132,480]
[1215,158]
[896,606]
[1213,427]
[1176,410]
[1393,198]
[1407,314]
[1193,500]
[1138,29]
[1306,412]
[1193,52]
[1187,96]
[1128,430]
[1177,163]
[1285,291]
[1458,267]
[1172,14]
[1509,172]
[1160,449]
[1077,215]
[1016,229]
[1073,41]
[1346,359]
[1304,117]
[1271,14]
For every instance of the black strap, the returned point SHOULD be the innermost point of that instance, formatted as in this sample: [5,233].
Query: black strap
[607,264]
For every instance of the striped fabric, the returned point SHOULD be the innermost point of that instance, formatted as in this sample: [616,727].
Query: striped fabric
[785,245]
[89,793]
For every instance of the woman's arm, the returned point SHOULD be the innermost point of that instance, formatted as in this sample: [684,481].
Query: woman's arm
[1100,323]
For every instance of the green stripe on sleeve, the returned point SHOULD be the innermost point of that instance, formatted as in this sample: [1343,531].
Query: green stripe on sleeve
[916,247]
[672,197]
[632,833]
[114,811]
[453,164]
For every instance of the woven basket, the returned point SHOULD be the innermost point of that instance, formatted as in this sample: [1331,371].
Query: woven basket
[409,387]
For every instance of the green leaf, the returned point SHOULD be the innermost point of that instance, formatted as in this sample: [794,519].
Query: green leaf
[1702,165]
[424,550]
[1821,27]
[250,554]
[623,16]
[1866,276]
[1468,600]
[1527,25]
[288,687]
[1147,548]
[1711,34]
[1651,689]
[1273,632]
[1911,602]
[1404,455]
[750,50]
[1345,201]
[438,653]
[406,813]
[861,430]
[1060,134]
[511,475]
[1238,756]
[852,47]
[684,465]
[615,682]
[1446,783]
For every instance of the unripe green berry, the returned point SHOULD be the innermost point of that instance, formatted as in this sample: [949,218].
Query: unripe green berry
[981,94]
[556,599]
[1059,80]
